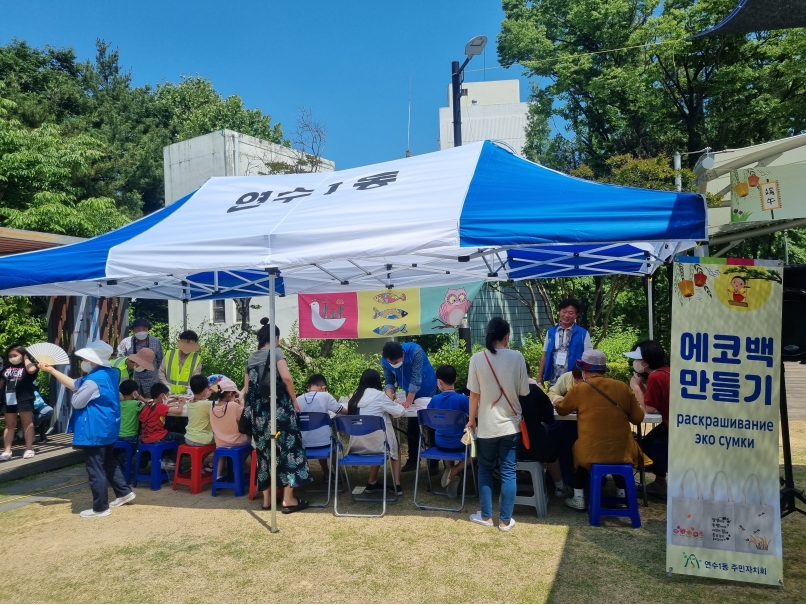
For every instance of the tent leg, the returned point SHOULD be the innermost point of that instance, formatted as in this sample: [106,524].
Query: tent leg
[273,402]
[184,315]
[650,310]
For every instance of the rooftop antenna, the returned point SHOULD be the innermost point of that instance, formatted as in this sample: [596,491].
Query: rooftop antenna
[408,130]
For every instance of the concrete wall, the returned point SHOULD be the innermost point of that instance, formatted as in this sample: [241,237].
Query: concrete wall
[201,312]
[188,164]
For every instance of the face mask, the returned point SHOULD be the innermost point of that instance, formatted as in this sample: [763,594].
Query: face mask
[638,366]
[86,367]
[396,365]
[141,335]
[138,369]
[15,360]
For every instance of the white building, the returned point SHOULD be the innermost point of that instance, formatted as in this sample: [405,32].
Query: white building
[188,165]
[490,110]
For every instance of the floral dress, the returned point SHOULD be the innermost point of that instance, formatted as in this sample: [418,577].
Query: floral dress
[292,464]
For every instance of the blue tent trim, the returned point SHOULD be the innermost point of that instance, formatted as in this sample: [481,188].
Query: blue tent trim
[82,261]
[503,205]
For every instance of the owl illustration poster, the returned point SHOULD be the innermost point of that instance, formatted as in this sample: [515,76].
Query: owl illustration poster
[442,309]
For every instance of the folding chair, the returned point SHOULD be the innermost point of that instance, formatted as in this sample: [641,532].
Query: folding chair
[357,426]
[310,421]
[442,420]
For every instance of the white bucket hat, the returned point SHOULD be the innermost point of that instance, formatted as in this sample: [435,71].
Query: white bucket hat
[97,352]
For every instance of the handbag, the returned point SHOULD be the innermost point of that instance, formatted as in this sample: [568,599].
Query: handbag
[265,382]
[755,523]
[522,423]
[686,515]
[720,523]
[245,422]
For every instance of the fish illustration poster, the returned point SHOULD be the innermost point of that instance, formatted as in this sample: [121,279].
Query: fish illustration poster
[385,313]
[723,505]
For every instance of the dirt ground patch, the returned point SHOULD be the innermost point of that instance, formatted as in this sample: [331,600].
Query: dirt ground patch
[173,547]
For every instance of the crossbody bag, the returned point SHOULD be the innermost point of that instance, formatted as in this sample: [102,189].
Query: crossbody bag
[524,431]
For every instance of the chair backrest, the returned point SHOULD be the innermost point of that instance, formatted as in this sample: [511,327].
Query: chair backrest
[359,425]
[442,419]
[310,421]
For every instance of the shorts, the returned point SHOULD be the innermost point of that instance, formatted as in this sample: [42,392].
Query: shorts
[22,406]
[194,444]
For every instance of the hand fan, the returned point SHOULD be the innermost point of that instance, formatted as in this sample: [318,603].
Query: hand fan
[47,352]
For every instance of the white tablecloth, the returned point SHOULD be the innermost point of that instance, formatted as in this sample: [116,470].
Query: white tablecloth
[648,418]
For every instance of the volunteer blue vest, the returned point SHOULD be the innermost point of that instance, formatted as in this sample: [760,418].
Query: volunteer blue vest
[403,373]
[99,422]
[575,348]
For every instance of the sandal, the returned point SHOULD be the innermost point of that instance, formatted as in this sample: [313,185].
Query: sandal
[300,505]
[29,454]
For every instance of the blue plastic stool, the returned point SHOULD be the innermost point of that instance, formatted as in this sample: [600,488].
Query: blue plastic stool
[239,473]
[129,447]
[596,510]
[157,475]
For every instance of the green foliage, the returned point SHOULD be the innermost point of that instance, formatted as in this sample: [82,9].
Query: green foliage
[18,325]
[618,341]
[532,350]
[452,354]
[225,350]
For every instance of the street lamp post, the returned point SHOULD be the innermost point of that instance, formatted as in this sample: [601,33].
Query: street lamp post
[472,48]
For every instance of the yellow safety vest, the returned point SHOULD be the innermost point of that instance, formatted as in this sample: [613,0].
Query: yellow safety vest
[120,364]
[178,380]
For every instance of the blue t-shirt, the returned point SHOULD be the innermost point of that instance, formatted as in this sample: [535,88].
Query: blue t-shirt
[450,400]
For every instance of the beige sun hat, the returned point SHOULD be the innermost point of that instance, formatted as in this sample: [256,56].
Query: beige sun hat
[97,352]
[143,358]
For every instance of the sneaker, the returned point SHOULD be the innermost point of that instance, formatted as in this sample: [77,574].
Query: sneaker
[508,526]
[168,466]
[477,518]
[446,477]
[453,487]
[207,469]
[5,456]
[123,499]
[657,490]
[409,466]
[576,503]
[621,493]
[373,488]
[398,490]
[89,513]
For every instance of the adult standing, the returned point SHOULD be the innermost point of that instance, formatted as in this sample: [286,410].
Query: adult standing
[180,363]
[564,343]
[497,378]
[96,402]
[407,366]
[141,339]
[653,396]
[605,409]
[19,376]
[292,464]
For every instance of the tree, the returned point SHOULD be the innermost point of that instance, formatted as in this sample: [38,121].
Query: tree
[626,80]
[305,150]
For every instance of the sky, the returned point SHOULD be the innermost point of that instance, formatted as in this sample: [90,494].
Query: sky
[349,62]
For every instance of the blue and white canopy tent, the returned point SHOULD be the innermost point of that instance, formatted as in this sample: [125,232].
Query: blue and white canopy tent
[476,212]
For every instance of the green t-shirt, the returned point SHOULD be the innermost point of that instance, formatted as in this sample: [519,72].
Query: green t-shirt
[129,422]
[199,429]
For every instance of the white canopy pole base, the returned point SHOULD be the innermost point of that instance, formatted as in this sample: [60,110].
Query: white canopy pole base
[273,361]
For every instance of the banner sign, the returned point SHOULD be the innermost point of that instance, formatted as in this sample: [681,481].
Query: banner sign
[385,313]
[763,194]
[723,516]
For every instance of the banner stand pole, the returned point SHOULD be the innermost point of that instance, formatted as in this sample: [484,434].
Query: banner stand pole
[789,493]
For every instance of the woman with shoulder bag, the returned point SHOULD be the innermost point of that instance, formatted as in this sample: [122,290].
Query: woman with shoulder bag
[292,465]
[497,377]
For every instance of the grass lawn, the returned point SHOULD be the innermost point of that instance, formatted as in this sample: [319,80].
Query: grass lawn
[173,547]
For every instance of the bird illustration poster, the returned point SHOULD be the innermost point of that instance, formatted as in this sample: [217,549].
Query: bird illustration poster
[385,313]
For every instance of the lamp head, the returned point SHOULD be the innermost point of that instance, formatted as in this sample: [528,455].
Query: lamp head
[475,46]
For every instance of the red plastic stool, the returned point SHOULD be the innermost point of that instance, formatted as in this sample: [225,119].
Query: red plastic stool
[253,490]
[196,477]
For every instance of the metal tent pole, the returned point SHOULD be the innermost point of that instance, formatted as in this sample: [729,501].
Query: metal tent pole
[273,402]
[650,310]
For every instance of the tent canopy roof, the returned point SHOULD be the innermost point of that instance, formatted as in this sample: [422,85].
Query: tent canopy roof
[750,16]
[469,213]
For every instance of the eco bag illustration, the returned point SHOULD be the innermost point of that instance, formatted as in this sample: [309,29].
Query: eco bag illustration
[687,515]
[755,523]
[720,519]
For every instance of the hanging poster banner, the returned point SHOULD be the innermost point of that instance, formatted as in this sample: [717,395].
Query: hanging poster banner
[767,193]
[724,517]
[385,313]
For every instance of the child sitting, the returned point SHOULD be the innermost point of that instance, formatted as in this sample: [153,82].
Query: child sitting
[225,414]
[130,407]
[448,440]
[317,399]
[152,419]
[199,432]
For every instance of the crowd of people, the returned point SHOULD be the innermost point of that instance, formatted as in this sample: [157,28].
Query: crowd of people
[149,396]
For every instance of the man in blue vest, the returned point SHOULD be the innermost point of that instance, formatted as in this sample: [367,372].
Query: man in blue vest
[406,366]
[97,423]
[564,343]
